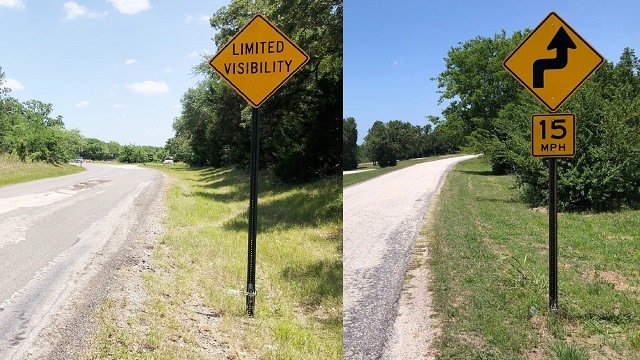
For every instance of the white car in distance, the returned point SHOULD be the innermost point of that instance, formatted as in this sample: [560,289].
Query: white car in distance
[167,160]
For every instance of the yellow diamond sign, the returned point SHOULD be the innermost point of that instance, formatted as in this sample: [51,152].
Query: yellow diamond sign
[553,61]
[258,60]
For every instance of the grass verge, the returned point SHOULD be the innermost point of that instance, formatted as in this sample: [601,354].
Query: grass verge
[375,170]
[489,261]
[195,307]
[13,171]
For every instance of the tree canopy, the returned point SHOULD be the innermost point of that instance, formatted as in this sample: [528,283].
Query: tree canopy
[491,113]
[349,144]
[29,131]
[388,142]
[300,123]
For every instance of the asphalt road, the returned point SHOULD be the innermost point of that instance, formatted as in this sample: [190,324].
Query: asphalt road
[382,218]
[54,235]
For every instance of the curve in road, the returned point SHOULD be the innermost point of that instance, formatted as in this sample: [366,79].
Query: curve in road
[382,218]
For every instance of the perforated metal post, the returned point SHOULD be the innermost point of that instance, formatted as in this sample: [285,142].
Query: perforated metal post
[253,209]
[553,235]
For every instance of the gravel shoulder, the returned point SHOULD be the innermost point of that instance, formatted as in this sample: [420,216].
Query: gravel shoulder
[115,272]
[415,326]
[382,220]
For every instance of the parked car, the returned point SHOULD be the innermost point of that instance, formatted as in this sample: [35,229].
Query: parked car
[79,160]
[167,160]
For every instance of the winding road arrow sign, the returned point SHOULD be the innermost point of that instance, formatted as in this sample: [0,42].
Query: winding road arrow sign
[562,43]
[553,61]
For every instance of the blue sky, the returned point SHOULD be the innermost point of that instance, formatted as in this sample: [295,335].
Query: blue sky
[114,69]
[393,48]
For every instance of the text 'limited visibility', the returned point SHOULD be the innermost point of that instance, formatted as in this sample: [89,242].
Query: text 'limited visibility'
[258,60]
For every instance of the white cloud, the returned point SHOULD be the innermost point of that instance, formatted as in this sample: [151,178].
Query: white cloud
[149,87]
[397,62]
[194,54]
[83,103]
[73,10]
[196,19]
[118,106]
[16,4]
[130,7]
[167,70]
[13,84]
[131,62]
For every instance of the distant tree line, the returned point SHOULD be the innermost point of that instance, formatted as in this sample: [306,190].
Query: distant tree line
[386,143]
[350,149]
[95,149]
[300,123]
[29,131]
[490,112]
[141,154]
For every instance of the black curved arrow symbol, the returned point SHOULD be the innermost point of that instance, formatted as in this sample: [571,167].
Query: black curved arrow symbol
[562,43]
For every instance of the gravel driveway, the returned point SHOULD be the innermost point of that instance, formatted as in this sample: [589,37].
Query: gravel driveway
[382,218]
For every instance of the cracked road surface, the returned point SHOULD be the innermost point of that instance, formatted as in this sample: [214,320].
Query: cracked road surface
[55,235]
[382,218]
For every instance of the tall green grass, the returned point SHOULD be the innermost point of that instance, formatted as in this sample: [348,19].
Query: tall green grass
[13,171]
[196,305]
[490,265]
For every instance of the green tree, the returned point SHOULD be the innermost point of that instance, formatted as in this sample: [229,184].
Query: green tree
[130,154]
[31,132]
[113,150]
[3,90]
[178,147]
[380,146]
[492,112]
[300,123]
[406,139]
[94,149]
[478,89]
[437,141]
[349,144]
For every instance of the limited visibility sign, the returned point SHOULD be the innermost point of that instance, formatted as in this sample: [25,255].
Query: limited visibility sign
[553,61]
[258,60]
[553,135]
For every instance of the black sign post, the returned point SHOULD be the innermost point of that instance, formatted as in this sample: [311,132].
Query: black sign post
[256,72]
[253,211]
[574,61]
[553,234]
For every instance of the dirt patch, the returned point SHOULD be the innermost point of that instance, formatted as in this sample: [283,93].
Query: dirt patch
[618,281]
[537,353]
[416,325]
[499,250]
[474,340]
[542,248]
[539,324]
[604,351]
[87,184]
[596,342]
[620,238]
[540,210]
